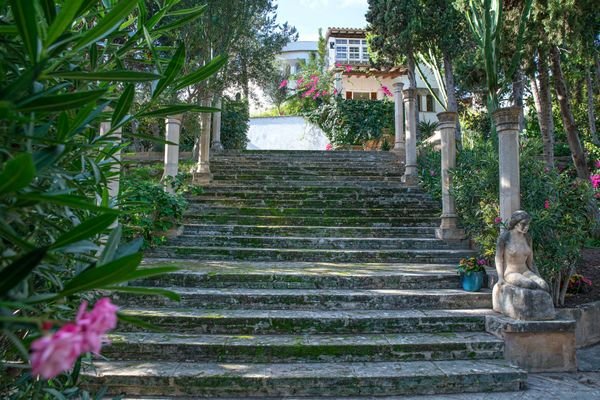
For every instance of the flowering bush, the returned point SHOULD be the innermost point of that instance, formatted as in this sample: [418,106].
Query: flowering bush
[472,264]
[579,284]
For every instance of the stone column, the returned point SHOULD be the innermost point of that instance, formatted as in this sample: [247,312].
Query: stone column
[399,143]
[507,126]
[410,173]
[115,169]
[173,127]
[202,173]
[216,127]
[448,229]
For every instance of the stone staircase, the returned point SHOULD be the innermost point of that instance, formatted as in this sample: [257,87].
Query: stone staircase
[307,274]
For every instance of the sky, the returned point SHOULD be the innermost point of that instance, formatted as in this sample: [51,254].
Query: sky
[310,15]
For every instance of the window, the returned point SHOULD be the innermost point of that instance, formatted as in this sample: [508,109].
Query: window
[430,104]
[365,51]
[419,103]
[351,50]
[361,95]
[354,53]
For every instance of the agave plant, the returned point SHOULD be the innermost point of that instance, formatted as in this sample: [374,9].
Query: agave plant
[486,19]
[68,66]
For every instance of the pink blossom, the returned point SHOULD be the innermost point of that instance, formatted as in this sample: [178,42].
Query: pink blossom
[497,220]
[547,204]
[324,93]
[597,195]
[597,163]
[386,91]
[481,261]
[314,78]
[338,64]
[299,81]
[335,92]
[96,323]
[51,355]
[348,68]
[283,84]
[595,179]
[328,147]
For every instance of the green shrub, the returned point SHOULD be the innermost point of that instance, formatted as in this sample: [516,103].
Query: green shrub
[352,122]
[235,123]
[430,166]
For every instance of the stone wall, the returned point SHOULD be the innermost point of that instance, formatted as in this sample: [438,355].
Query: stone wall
[285,133]
[587,316]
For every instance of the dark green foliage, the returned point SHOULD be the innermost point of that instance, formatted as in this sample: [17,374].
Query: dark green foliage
[235,123]
[352,122]
[430,166]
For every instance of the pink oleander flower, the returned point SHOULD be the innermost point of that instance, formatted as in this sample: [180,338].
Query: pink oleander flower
[335,92]
[386,91]
[314,78]
[497,220]
[597,163]
[283,84]
[595,179]
[547,204]
[324,93]
[299,81]
[338,64]
[348,68]
[328,147]
[52,355]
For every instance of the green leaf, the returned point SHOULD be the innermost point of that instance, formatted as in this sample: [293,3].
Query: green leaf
[15,272]
[177,109]
[145,290]
[155,55]
[130,247]
[123,105]
[63,20]
[107,24]
[110,76]
[185,11]
[85,230]
[18,173]
[8,30]
[49,9]
[173,70]
[111,245]
[138,322]
[65,200]
[8,233]
[202,73]
[189,15]
[61,102]
[48,156]
[25,15]
[112,273]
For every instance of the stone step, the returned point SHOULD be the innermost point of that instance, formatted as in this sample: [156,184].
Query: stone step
[303,348]
[316,203]
[222,210]
[300,184]
[319,196]
[276,178]
[308,242]
[294,220]
[324,192]
[315,231]
[308,322]
[299,275]
[303,154]
[316,299]
[343,170]
[449,256]
[307,379]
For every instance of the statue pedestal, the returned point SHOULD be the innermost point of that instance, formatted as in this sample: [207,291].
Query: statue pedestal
[537,346]
[524,304]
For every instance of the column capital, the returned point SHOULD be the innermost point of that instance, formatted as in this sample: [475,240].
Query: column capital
[507,119]
[447,119]
[410,94]
[398,87]
[174,119]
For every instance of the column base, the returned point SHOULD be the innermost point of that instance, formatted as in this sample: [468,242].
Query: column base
[411,180]
[450,234]
[217,147]
[202,178]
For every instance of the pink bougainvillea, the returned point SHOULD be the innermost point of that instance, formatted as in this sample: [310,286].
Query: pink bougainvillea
[595,180]
[547,204]
[283,84]
[386,91]
[497,220]
[56,353]
[597,164]
[328,147]
[348,68]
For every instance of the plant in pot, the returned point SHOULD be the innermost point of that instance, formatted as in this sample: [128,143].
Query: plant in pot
[472,272]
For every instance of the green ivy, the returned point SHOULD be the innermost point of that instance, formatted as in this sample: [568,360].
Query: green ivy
[235,123]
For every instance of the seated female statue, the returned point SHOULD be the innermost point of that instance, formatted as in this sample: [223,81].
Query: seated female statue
[514,255]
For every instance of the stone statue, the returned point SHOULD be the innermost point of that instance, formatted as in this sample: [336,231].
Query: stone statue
[520,293]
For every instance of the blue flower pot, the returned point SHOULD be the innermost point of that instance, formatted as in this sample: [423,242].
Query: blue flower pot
[472,281]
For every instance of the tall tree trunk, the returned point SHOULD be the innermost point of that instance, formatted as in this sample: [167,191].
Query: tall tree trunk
[591,108]
[567,115]
[412,84]
[451,93]
[543,104]
[518,87]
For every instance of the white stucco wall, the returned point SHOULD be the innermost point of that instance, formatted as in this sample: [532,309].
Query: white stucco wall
[285,133]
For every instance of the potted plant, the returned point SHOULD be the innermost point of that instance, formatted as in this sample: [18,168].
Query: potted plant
[472,272]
